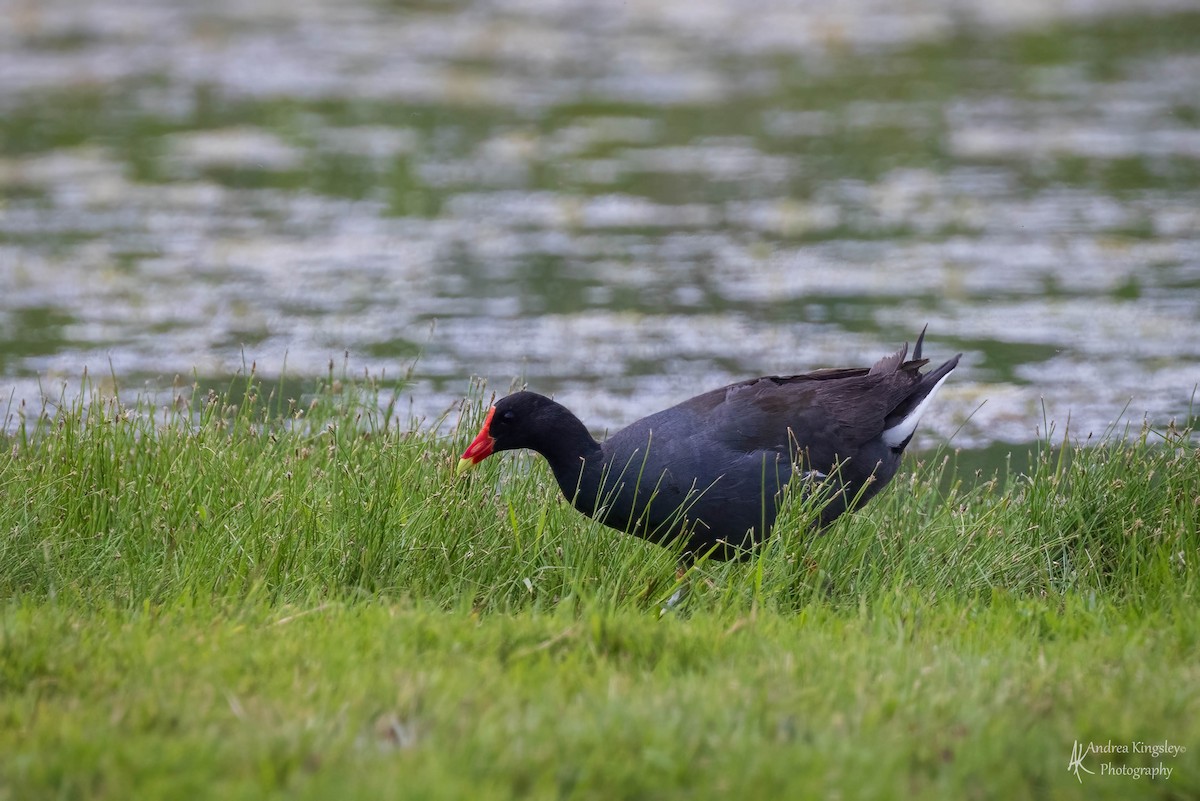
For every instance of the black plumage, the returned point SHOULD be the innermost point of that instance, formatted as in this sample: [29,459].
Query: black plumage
[711,469]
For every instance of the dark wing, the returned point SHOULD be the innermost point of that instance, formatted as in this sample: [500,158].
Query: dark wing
[827,413]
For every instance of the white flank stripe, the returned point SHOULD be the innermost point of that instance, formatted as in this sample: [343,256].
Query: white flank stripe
[893,436]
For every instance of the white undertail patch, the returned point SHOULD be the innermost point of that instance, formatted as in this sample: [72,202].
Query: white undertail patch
[892,437]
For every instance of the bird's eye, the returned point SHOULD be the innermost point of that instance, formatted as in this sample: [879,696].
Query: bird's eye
[509,416]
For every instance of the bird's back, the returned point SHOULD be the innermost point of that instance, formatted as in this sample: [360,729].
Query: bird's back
[713,467]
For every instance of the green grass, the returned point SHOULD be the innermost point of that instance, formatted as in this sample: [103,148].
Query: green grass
[241,595]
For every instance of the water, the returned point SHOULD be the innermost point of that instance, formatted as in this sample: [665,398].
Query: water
[621,204]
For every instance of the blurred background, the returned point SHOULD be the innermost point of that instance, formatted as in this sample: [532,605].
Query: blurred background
[620,203]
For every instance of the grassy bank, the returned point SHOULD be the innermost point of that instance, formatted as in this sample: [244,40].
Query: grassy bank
[246,595]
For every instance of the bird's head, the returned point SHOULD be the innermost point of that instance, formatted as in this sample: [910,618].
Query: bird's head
[519,420]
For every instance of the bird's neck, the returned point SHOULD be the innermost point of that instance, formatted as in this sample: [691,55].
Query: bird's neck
[575,458]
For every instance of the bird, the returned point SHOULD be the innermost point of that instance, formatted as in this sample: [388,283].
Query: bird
[708,475]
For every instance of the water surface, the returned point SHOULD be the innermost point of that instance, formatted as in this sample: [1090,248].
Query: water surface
[621,204]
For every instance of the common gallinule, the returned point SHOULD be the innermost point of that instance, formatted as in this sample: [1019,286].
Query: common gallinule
[711,470]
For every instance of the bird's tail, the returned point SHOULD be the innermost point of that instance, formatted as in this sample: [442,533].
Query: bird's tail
[902,421]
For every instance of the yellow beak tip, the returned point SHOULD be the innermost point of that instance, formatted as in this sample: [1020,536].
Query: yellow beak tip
[463,466]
